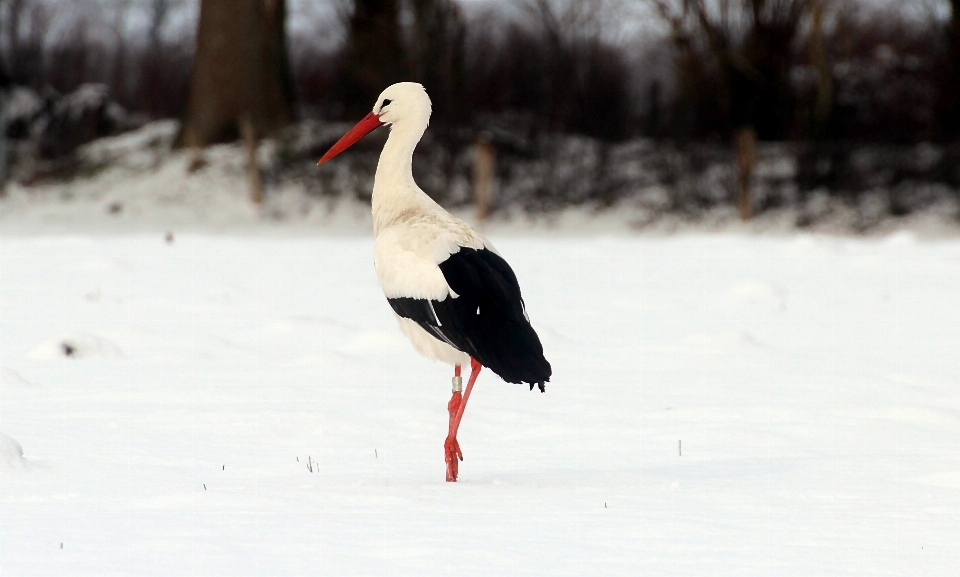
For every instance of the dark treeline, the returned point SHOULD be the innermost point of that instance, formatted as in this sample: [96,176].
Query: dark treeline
[833,70]
[55,47]
[534,63]
[791,69]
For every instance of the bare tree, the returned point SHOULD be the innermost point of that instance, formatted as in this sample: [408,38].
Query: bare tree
[436,55]
[4,85]
[374,55]
[24,25]
[748,45]
[584,69]
[158,11]
[239,72]
[11,13]
[817,54]
[950,91]
[159,83]
[114,17]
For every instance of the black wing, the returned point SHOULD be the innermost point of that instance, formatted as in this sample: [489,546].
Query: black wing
[487,320]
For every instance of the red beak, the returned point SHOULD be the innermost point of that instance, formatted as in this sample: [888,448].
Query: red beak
[363,128]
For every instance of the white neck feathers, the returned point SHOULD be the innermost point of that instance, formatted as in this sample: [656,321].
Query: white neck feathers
[394,190]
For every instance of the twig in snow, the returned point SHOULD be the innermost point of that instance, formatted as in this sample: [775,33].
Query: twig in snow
[204,486]
[680,447]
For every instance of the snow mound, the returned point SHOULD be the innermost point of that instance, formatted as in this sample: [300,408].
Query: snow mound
[10,378]
[11,453]
[75,346]
[20,109]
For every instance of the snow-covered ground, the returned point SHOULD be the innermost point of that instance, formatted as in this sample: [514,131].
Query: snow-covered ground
[245,405]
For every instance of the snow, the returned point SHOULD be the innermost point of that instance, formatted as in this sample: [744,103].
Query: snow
[723,404]
[23,105]
[11,453]
[9,378]
[83,99]
[77,345]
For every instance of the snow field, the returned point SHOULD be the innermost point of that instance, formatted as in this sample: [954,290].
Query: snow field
[812,382]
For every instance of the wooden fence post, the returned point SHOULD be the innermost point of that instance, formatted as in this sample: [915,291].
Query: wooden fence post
[746,144]
[484,162]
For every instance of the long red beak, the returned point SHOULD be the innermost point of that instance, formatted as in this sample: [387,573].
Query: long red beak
[363,128]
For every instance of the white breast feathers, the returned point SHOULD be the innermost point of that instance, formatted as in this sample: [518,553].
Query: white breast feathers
[409,249]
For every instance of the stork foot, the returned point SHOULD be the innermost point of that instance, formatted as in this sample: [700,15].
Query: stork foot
[458,402]
[451,448]
[452,454]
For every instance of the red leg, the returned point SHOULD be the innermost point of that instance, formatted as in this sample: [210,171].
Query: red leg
[456,407]
[451,448]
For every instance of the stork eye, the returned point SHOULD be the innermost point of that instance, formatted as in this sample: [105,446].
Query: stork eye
[385,102]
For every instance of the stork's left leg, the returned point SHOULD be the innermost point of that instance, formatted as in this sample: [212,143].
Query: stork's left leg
[456,407]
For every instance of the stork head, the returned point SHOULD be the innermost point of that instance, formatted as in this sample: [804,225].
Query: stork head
[404,103]
[404,107]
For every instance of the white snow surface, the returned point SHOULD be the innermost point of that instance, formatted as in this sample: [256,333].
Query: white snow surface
[11,453]
[810,382]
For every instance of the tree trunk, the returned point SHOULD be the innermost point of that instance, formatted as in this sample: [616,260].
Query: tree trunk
[950,95]
[437,53]
[14,10]
[239,71]
[5,82]
[375,57]
[817,51]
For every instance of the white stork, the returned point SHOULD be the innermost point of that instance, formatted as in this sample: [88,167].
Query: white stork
[455,298]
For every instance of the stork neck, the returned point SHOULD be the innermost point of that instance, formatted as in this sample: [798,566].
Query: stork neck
[394,190]
[396,160]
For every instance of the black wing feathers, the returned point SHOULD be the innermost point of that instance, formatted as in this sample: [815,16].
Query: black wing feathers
[421,312]
[487,319]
